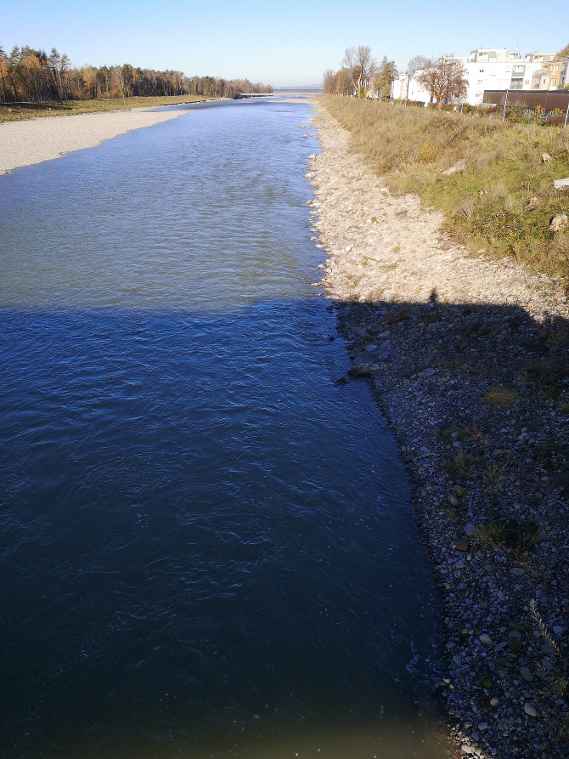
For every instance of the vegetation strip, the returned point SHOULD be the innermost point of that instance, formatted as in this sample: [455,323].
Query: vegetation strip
[468,358]
[30,110]
[494,181]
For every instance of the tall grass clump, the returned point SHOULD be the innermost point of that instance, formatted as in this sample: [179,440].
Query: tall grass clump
[502,203]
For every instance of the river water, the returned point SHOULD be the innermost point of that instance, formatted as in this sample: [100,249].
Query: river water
[207,547]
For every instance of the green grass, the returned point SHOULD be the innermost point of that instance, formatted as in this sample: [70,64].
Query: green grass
[98,105]
[504,201]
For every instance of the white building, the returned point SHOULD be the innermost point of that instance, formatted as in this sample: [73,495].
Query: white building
[409,88]
[497,69]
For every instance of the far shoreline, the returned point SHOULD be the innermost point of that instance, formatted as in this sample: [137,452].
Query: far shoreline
[32,141]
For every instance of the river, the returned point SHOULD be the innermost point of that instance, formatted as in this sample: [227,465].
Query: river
[207,547]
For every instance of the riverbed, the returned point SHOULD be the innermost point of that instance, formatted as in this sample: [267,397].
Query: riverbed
[207,543]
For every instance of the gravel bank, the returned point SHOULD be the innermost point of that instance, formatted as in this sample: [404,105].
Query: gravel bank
[23,143]
[469,358]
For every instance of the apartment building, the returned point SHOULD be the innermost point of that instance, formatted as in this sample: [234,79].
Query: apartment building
[497,69]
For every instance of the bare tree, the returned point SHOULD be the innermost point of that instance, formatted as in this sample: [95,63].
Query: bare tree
[445,80]
[361,64]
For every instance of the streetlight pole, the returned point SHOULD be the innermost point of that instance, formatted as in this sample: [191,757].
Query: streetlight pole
[505,105]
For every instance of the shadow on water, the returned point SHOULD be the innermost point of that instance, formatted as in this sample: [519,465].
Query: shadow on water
[200,556]
[207,545]
[200,546]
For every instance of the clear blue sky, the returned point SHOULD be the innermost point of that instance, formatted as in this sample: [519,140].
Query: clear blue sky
[279,42]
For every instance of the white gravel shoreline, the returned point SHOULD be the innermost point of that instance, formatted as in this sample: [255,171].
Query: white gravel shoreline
[23,143]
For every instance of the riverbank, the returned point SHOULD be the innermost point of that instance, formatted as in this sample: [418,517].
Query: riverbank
[24,143]
[468,359]
[494,181]
[24,111]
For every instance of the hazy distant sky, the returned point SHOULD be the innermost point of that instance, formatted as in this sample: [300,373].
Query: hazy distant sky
[279,42]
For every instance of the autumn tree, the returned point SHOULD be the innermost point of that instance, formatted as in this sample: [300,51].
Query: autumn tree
[445,80]
[338,82]
[31,75]
[59,66]
[383,80]
[4,81]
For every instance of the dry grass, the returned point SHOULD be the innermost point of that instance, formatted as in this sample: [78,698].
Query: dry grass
[502,397]
[504,201]
[99,105]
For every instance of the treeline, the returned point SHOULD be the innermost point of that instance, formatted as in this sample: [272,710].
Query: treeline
[361,75]
[32,75]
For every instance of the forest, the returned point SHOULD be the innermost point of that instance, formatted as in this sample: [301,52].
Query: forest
[29,75]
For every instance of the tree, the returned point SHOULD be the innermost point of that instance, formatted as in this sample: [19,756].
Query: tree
[4,76]
[386,75]
[330,82]
[564,53]
[59,66]
[29,74]
[359,61]
[445,80]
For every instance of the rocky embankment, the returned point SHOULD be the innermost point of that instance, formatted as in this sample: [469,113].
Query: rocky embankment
[469,358]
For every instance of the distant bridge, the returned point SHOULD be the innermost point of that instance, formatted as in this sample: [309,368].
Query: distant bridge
[255,94]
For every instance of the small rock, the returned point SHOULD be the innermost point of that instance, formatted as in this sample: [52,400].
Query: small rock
[546,158]
[485,639]
[561,184]
[494,702]
[428,372]
[559,223]
[530,710]
[533,203]
[455,168]
[362,370]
